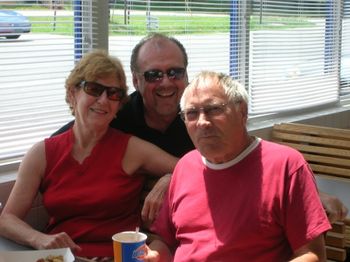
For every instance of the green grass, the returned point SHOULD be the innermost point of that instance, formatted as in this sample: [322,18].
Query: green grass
[278,23]
[19,7]
[174,25]
[48,24]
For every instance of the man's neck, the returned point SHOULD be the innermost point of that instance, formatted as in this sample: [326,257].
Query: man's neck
[160,123]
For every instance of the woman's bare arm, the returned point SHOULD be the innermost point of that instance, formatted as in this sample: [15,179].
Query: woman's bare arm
[12,224]
[145,157]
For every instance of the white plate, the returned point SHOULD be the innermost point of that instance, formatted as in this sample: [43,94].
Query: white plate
[34,255]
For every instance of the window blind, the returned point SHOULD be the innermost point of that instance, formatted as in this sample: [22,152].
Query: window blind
[345,51]
[286,52]
[294,55]
[289,54]
[201,26]
[34,68]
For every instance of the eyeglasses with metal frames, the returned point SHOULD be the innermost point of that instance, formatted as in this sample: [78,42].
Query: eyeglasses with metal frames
[212,110]
[96,90]
[156,75]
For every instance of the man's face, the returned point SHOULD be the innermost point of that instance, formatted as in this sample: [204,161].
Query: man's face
[219,132]
[161,98]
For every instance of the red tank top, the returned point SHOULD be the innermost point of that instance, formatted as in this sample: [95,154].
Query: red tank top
[93,200]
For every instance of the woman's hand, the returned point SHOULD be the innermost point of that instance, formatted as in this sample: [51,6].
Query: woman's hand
[60,240]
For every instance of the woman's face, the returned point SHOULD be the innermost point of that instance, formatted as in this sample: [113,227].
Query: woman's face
[96,112]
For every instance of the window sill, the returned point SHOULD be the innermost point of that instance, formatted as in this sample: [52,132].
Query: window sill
[334,116]
[8,176]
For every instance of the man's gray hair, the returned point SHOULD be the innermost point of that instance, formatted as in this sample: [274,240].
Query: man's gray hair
[233,89]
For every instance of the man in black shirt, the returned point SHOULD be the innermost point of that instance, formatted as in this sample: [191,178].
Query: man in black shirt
[174,139]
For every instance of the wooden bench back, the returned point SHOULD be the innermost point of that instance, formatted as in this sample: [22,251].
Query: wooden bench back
[326,149]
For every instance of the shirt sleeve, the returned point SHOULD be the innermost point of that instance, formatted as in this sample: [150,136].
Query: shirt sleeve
[305,218]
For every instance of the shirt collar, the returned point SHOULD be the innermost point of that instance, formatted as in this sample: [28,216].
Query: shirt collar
[237,159]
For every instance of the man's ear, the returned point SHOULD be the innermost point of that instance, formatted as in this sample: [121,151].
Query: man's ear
[243,109]
[135,81]
[186,78]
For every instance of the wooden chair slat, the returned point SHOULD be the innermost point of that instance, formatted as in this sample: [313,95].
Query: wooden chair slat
[314,130]
[329,170]
[304,148]
[338,227]
[313,140]
[328,160]
[338,254]
[335,239]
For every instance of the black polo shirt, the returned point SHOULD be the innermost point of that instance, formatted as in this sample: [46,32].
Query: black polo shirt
[130,119]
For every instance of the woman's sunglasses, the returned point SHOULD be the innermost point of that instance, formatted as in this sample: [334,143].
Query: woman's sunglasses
[156,75]
[96,90]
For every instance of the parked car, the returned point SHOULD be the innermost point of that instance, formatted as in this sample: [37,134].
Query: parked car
[13,24]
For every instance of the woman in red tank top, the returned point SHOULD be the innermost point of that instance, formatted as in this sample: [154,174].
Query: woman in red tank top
[89,176]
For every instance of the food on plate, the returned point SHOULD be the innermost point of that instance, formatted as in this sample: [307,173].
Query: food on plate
[51,259]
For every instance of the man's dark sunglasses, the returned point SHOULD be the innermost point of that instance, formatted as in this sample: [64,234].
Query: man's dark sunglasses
[96,90]
[156,75]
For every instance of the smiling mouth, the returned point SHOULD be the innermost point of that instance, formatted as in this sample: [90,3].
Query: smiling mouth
[98,111]
[165,94]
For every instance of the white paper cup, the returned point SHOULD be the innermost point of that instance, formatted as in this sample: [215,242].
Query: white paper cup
[126,246]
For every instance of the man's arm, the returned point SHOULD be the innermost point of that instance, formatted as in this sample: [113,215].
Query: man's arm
[154,200]
[335,209]
[313,251]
